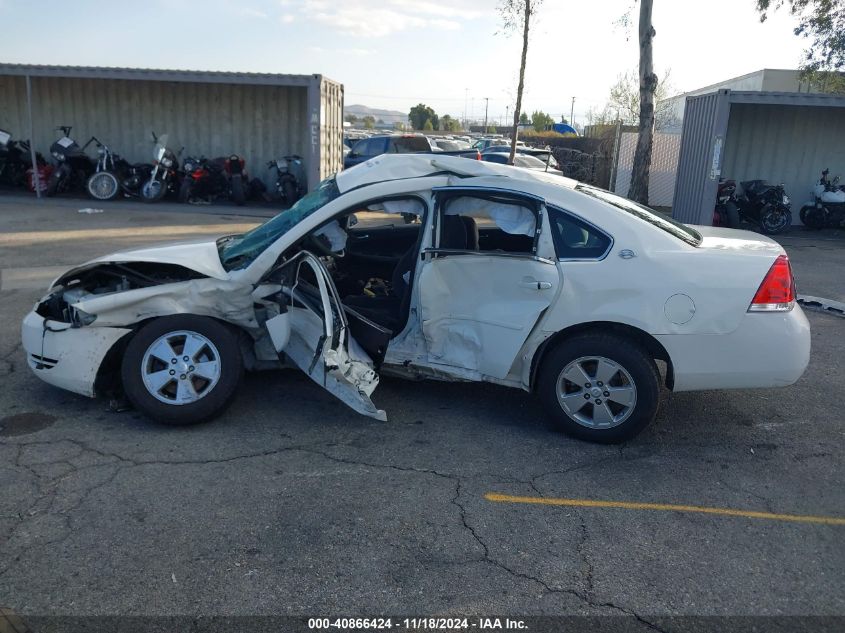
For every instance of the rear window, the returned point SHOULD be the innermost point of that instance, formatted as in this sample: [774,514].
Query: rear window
[661,221]
[407,145]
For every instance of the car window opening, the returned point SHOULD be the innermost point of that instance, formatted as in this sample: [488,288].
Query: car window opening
[488,224]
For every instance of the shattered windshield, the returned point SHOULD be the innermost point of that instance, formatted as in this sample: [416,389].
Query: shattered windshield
[239,251]
[661,221]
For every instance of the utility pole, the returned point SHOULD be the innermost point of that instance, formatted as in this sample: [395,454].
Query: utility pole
[466,94]
[572,111]
[507,108]
[486,104]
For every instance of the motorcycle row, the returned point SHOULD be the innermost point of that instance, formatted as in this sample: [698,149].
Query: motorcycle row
[196,180]
[767,207]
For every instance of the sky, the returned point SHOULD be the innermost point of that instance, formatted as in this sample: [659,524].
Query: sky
[393,54]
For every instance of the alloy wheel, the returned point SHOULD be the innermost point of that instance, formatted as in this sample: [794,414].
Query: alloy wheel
[180,367]
[596,392]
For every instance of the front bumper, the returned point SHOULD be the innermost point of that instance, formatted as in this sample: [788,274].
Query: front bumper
[766,350]
[65,356]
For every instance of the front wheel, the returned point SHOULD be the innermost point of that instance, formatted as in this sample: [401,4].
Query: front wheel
[775,218]
[812,217]
[103,185]
[58,181]
[599,387]
[182,369]
[153,190]
[185,189]
[237,184]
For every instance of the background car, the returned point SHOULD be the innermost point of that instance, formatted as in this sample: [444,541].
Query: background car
[519,160]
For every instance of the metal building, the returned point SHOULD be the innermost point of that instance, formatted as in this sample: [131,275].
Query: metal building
[258,116]
[782,137]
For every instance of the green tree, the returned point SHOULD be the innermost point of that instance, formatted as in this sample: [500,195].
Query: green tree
[523,119]
[399,126]
[369,122]
[421,113]
[351,118]
[820,21]
[428,126]
[516,15]
[493,130]
[541,121]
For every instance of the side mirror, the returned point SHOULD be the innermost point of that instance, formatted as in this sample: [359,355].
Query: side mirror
[351,220]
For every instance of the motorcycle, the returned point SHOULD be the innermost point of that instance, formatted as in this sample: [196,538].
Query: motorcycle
[219,177]
[16,162]
[828,206]
[115,175]
[74,166]
[725,194]
[165,173]
[290,178]
[765,205]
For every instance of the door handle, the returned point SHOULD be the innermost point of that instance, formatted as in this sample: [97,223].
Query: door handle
[530,282]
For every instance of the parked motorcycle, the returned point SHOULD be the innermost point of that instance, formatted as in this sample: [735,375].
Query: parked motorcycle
[828,206]
[74,166]
[16,161]
[290,178]
[164,177]
[726,194]
[206,179]
[762,204]
[115,175]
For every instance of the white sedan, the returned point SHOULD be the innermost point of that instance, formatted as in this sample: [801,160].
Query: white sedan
[508,276]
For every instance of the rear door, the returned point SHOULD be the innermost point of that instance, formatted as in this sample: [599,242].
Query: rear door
[480,297]
[312,330]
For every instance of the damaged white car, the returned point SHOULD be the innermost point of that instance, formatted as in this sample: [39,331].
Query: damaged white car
[504,275]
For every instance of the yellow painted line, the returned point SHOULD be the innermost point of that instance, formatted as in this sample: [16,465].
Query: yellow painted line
[668,507]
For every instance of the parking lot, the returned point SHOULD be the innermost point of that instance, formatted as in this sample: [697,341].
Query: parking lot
[464,502]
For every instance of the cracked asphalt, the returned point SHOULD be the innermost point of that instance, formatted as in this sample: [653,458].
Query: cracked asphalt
[293,504]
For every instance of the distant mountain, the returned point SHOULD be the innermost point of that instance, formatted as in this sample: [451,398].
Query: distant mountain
[388,116]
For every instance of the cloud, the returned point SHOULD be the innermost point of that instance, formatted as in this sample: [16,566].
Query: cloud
[379,18]
[286,18]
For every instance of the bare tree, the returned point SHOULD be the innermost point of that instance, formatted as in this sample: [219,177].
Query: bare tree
[624,99]
[516,14]
[648,85]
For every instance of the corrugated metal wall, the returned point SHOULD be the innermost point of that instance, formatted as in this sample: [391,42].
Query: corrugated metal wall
[331,128]
[260,122]
[705,120]
[661,175]
[785,144]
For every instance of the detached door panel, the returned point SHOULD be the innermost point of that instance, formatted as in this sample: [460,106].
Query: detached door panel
[477,310]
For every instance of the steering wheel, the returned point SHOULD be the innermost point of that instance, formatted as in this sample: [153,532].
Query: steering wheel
[323,247]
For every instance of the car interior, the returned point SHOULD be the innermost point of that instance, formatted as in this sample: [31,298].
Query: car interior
[371,253]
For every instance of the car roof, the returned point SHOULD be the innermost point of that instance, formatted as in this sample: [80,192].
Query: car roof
[408,166]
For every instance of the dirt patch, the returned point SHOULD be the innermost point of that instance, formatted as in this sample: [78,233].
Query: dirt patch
[25,423]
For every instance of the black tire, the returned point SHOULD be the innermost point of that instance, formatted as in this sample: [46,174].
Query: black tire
[812,217]
[157,195]
[185,190]
[732,212]
[289,192]
[56,180]
[775,219]
[217,395]
[629,356]
[92,186]
[238,195]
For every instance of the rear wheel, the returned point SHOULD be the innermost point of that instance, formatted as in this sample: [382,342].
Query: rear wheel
[182,369]
[812,217]
[56,181]
[600,388]
[289,192]
[238,195]
[732,214]
[103,185]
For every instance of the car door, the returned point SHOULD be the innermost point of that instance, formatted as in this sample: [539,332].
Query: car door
[312,331]
[482,292]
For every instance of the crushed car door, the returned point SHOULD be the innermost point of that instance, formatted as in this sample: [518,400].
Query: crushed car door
[312,331]
[483,288]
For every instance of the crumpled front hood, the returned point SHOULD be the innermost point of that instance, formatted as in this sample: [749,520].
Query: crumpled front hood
[200,256]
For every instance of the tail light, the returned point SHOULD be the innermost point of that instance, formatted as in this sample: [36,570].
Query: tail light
[777,292]
[477,155]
